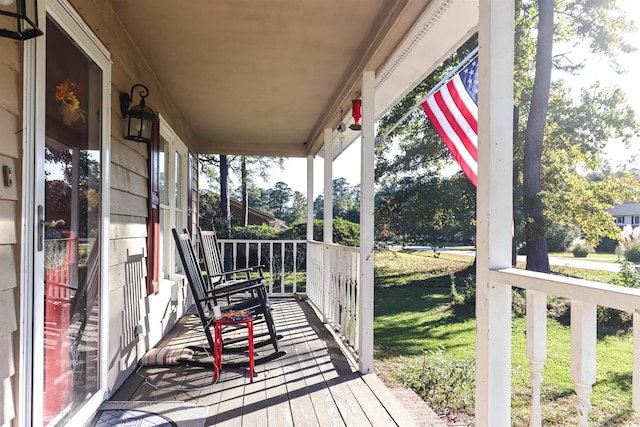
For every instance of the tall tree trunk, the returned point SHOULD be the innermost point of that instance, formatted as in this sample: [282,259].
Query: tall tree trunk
[225,207]
[245,192]
[537,252]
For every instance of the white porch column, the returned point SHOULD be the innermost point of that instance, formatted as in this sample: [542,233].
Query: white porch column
[494,212]
[328,220]
[309,199]
[365,307]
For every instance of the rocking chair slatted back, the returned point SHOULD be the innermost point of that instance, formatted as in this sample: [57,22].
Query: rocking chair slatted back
[205,296]
[214,264]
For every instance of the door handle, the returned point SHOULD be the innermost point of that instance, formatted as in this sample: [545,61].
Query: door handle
[42,224]
[53,223]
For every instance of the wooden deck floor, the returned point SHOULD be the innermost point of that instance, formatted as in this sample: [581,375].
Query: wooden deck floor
[312,384]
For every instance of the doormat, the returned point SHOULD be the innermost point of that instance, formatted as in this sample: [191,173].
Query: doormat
[147,414]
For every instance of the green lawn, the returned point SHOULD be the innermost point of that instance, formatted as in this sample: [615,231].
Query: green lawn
[413,314]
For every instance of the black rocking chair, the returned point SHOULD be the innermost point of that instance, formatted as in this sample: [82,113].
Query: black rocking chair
[206,296]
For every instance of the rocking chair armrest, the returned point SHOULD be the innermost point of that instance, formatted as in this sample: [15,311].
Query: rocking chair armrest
[235,287]
[257,268]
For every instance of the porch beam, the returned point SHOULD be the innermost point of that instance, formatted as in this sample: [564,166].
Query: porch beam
[327,235]
[367,171]
[494,212]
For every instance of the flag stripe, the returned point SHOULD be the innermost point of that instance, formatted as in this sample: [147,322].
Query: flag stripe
[466,104]
[456,147]
[457,115]
[453,111]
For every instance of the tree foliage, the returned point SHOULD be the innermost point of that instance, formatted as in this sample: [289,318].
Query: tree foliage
[571,133]
[426,208]
[346,201]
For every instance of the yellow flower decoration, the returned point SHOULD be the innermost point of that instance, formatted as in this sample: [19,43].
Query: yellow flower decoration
[70,108]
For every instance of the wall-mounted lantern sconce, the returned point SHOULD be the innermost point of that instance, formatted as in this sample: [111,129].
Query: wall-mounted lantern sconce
[23,22]
[140,116]
[356,112]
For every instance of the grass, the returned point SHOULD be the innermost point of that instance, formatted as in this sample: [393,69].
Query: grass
[414,320]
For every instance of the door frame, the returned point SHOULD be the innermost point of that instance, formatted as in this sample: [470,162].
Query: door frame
[30,388]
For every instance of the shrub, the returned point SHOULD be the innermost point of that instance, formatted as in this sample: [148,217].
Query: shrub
[559,238]
[442,380]
[344,232]
[607,245]
[632,252]
[631,242]
[465,297]
[580,249]
[254,232]
[629,278]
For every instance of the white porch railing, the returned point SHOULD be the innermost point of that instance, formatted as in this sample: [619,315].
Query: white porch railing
[336,296]
[284,261]
[585,296]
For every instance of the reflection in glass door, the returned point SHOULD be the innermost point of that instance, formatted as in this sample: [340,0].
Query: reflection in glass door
[71,226]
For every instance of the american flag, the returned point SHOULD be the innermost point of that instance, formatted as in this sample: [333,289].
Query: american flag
[453,111]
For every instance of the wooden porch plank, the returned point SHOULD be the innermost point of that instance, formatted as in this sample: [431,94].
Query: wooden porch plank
[229,411]
[276,398]
[313,384]
[388,400]
[327,411]
[371,406]
[302,410]
[337,378]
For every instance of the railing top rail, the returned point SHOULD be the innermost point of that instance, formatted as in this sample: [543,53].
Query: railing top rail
[261,241]
[603,294]
[354,249]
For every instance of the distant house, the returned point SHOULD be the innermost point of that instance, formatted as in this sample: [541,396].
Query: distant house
[256,216]
[627,213]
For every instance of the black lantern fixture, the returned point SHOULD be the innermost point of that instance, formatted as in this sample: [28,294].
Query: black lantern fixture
[140,116]
[23,19]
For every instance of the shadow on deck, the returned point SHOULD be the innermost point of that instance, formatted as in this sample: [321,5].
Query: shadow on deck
[311,384]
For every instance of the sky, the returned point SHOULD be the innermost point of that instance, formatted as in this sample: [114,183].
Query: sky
[347,165]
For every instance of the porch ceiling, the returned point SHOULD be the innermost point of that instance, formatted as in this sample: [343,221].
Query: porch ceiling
[264,77]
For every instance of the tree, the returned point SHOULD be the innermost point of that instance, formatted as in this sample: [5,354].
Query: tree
[426,208]
[537,253]
[245,168]
[565,136]
[225,208]
[346,201]
[602,24]
[296,211]
[279,199]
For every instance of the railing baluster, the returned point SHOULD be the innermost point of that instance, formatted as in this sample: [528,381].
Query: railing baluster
[536,349]
[271,267]
[635,402]
[282,256]
[235,256]
[246,255]
[583,356]
[295,267]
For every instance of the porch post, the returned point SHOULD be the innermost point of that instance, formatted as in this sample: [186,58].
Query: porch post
[309,200]
[328,221]
[365,307]
[494,212]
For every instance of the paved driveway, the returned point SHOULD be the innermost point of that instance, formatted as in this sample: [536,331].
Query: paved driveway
[565,262]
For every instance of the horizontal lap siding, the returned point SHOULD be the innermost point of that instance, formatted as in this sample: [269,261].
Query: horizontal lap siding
[129,306]
[10,214]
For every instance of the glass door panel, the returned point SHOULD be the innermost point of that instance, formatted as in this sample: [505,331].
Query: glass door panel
[71,224]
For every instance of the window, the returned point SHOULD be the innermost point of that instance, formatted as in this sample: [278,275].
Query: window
[620,220]
[635,220]
[172,168]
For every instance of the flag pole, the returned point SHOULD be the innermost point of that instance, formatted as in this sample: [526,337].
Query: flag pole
[435,88]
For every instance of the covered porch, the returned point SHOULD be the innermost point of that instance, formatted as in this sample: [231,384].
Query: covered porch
[313,383]
[277,79]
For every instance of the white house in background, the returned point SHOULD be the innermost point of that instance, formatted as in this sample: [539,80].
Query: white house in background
[627,213]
